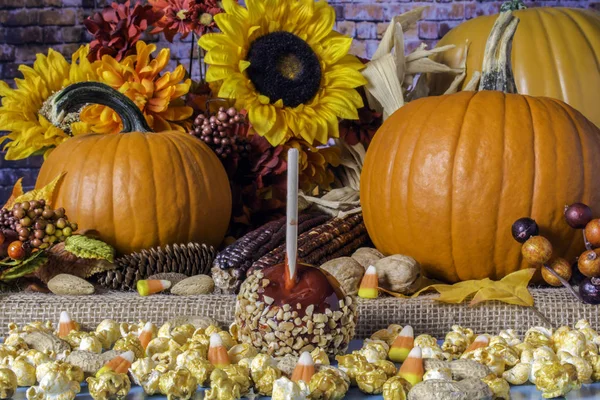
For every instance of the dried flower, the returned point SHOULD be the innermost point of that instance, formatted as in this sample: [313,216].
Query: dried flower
[185,16]
[363,129]
[117,28]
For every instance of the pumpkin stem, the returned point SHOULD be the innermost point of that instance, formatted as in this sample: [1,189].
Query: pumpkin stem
[77,95]
[497,71]
[512,5]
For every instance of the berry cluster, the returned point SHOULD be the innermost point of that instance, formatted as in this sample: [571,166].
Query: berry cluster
[32,225]
[537,250]
[223,132]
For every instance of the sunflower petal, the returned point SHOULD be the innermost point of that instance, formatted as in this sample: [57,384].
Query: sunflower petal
[322,22]
[262,117]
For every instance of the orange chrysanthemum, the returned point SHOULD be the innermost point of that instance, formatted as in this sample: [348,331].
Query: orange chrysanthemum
[139,78]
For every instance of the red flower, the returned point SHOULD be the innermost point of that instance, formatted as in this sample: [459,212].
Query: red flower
[185,16]
[362,130]
[117,28]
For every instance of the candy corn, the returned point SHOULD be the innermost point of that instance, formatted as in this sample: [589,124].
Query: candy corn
[120,364]
[479,342]
[146,335]
[412,369]
[65,325]
[305,368]
[368,284]
[217,353]
[402,345]
[151,286]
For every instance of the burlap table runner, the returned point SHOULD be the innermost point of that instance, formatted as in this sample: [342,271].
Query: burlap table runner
[423,313]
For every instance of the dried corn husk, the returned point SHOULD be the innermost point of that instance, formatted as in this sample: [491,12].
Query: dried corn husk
[391,75]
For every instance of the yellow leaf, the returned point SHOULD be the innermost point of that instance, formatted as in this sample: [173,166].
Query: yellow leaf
[44,193]
[512,289]
[16,192]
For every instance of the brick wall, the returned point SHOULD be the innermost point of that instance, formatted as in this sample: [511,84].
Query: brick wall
[31,26]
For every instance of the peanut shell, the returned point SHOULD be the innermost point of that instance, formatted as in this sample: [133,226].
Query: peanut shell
[347,271]
[367,256]
[399,273]
[194,285]
[70,285]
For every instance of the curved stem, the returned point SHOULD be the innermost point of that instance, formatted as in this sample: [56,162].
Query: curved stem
[588,245]
[496,69]
[512,5]
[564,282]
[77,95]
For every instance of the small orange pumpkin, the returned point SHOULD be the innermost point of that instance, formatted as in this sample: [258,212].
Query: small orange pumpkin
[138,189]
[445,177]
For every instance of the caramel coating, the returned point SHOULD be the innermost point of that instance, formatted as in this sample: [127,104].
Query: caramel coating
[395,388]
[327,384]
[555,380]
[499,387]
[371,381]
[109,386]
[198,365]
[130,343]
[177,385]
[8,383]
[222,387]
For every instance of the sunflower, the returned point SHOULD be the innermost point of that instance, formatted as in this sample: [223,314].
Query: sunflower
[139,78]
[282,61]
[24,110]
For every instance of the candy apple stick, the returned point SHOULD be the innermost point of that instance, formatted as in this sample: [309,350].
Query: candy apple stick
[292,218]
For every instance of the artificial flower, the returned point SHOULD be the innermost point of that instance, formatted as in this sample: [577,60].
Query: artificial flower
[24,110]
[139,78]
[314,165]
[185,16]
[117,28]
[363,129]
[282,61]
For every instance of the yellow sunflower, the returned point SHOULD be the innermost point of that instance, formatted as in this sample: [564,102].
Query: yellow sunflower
[282,61]
[23,111]
[139,78]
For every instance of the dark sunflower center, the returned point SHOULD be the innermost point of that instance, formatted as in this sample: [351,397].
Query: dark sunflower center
[283,66]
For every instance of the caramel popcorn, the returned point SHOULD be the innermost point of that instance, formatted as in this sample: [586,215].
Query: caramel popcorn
[199,342]
[285,389]
[16,343]
[455,343]
[234,331]
[180,333]
[131,329]
[435,353]
[426,341]
[145,375]
[374,351]
[388,335]
[161,345]
[328,384]
[35,357]
[499,387]
[507,353]
[518,375]
[240,351]
[109,386]
[554,380]
[590,334]
[395,389]
[263,380]
[387,366]
[91,344]
[584,369]
[130,343]
[240,375]
[539,336]
[495,363]
[73,372]
[595,363]
[108,332]
[222,388]
[178,384]
[198,365]
[320,356]
[35,326]
[24,371]
[573,343]
[352,365]
[371,381]
[510,336]
[8,383]
[54,385]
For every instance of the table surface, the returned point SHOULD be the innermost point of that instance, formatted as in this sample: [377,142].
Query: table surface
[524,392]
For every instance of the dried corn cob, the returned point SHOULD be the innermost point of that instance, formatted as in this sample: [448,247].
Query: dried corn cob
[337,238]
[231,264]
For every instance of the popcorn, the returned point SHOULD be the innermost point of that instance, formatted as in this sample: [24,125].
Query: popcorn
[435,353]
[222,388]
[374,351]
[387,366]
[510,336]
[179,334]
[54,385]
[328,384]
[507,353]
[198,365]
[8,383]
[352,365]
[131,329]
[539,336]
[24,371]
[457,341]
[499,387]
[595,363]
[371,381]
[109,386]
[199,341]
[590,334]
[584,369]
[573,343]
[320,356]
[388,335]
[426,341]
[91,344]
[144,374]
[130,343]
[35,357]
[73,372]
[263,380]
[495,363]
[518,375]
[240,375]
[162,345]
[178,384]
[444,374]
[396,388]
[240,351]
[555,380]
[108,332]
[285,389]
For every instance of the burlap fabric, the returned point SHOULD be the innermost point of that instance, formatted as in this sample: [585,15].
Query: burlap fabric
[423,313]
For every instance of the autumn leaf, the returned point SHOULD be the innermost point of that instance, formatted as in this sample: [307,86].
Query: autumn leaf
[44,193]
[16,192]
[511,289]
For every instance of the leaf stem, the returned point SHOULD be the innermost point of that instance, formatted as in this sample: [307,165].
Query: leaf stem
[564,283]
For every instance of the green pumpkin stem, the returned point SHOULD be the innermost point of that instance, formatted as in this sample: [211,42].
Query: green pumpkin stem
[77,95]
[497,70]
[512,5]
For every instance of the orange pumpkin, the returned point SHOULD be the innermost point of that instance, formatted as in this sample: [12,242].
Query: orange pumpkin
[138,189]
[555,54]
[445,177]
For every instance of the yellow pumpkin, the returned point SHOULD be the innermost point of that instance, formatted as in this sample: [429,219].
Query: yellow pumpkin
[556,53]
[137,189]
[445,177]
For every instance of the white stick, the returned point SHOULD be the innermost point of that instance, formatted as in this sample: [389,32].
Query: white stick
[292,212]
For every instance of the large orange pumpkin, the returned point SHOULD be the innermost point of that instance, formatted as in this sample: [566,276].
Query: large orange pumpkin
[555,54]
[445,177]
[138,189]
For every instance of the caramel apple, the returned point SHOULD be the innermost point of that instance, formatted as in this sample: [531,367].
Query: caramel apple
[280,320]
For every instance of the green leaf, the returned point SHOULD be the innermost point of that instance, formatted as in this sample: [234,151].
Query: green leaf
[13,263]
[86,247]
[24,268]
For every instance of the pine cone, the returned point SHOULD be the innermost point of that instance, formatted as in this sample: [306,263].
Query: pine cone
[190,259]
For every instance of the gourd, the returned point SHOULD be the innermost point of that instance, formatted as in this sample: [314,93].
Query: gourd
[555,54]
[138,189]
[445,177]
